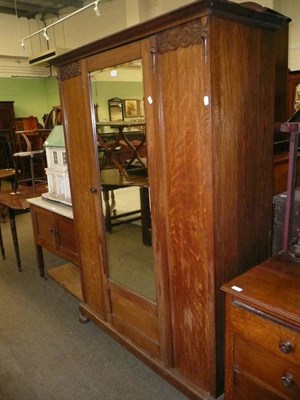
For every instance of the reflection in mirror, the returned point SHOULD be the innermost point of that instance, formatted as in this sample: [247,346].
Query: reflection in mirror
[122,149]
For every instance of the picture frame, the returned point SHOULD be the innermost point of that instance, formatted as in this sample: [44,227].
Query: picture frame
[116,109]
[131,108]
[141,108]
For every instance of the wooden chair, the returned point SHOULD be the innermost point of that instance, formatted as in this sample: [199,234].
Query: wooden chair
[31,155]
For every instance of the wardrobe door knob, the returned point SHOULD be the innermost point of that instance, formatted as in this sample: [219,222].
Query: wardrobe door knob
[93,190]
[285,347]
[287,380]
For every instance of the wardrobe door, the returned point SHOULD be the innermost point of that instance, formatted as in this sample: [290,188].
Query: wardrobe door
[84,182]
[184,93]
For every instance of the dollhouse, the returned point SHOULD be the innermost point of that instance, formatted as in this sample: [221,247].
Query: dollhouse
[57,170]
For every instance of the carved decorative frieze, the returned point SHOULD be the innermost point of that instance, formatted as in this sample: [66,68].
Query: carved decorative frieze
[69,71]
[183,36]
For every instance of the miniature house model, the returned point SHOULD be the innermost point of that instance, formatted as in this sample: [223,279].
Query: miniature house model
[57,170]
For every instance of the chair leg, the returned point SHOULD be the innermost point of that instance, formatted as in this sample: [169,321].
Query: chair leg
[1,244]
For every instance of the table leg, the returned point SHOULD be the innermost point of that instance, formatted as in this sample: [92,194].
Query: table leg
[40,260]
[1,244]
[145,216]
[107,209]
[15,237]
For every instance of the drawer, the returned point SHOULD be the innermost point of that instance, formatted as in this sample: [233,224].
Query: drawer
[272,372]
[246,388]
[270,333]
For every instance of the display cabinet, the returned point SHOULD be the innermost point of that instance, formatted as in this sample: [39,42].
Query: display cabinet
[7,139]
[209,109]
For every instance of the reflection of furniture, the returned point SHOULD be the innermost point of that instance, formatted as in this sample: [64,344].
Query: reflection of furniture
[112,180]
[122,152]
[116,109]
[53,228]
[209,145]
[16,204]
[263,332]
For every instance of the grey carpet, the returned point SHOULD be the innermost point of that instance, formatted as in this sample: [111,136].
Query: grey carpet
[46,354]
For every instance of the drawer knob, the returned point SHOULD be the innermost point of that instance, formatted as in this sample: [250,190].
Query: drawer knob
[287,380]
[285,347]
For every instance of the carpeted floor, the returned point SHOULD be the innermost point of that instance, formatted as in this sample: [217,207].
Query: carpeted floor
[46,354]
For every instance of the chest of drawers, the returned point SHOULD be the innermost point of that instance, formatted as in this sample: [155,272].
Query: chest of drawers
[262,354]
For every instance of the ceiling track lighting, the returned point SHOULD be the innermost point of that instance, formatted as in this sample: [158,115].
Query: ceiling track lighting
[44,30]
[45,34]
[96,9]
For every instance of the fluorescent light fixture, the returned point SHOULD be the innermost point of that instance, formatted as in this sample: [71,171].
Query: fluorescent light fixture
[96,9]
[45,34]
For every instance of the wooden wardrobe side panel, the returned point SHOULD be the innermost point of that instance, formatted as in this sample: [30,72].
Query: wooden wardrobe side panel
[243,100]
[243,124]
[84,182]
[185,126]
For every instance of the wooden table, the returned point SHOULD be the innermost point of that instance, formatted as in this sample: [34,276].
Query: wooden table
[6,173]
[112,179]
[16,203]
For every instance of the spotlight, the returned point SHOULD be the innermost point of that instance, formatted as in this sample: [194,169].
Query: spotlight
[45,34]
[23,44]
[96,9]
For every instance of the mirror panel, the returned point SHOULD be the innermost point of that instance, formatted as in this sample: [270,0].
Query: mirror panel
[122,149]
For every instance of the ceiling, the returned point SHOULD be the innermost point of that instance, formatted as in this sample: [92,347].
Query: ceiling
[37,8]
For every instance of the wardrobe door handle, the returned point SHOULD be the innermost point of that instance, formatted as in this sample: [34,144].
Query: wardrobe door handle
[93,190]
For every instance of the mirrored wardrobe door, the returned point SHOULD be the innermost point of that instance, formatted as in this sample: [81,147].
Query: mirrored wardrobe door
[123,164]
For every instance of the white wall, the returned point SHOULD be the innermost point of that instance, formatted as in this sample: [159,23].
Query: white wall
[116,15]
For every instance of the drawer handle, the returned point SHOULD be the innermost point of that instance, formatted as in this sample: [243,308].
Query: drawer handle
[285,347]
[287,380]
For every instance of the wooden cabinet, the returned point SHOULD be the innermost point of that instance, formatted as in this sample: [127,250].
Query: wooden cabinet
[263,332]
[53,231]
[26,123]
[7,140]
[208,81]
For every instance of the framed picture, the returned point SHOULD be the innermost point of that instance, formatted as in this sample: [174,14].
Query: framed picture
[131,108]
[115,108]
[141,108]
